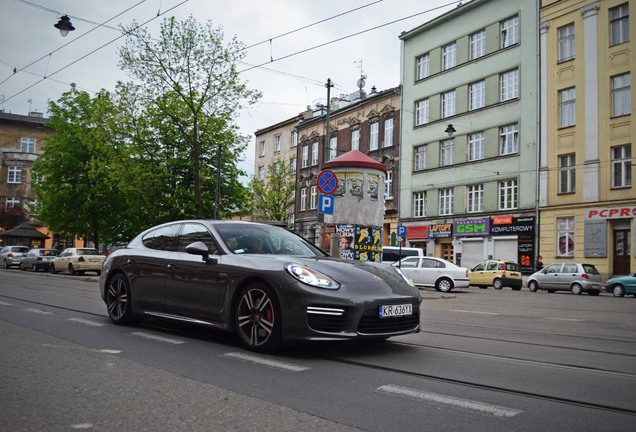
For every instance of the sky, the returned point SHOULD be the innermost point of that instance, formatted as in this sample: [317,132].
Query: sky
[292,48]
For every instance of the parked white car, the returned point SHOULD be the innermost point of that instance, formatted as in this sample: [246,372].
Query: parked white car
[434,272]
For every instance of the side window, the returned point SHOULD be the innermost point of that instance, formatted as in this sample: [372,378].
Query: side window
[553,268]
[162,238]
[492,266]
[479,267]
[500,266]
[569,268]
[193,232]
[410,263]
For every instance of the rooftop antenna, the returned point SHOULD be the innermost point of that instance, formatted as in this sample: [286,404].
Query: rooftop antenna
[361,83]
[30,101]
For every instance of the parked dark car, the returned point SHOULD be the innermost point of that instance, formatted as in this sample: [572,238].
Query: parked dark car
[38,259]
[575,277]
[10,256]
[268,285]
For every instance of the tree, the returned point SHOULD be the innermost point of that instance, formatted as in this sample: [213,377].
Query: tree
[74,196]
[190,78]
[11,217]
[274,195]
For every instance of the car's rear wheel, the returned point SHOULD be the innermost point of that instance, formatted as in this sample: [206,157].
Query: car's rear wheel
[498,284]
[118,300]
[618,290]
[533,286]
[34,268]
[576,289]
[444,285]
[52,268]
[6,264]
[257,318]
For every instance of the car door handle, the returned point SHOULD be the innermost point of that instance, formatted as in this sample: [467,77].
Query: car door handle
[130,261]
[172,267]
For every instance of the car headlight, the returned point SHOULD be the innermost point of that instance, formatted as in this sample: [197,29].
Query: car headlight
[311,277]
[405,277]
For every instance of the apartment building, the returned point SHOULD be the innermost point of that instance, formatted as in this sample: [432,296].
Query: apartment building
[468,183]
[587,200]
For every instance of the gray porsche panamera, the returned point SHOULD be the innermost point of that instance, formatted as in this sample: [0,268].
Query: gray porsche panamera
[269,286]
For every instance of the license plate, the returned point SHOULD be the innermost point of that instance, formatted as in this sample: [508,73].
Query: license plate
[93,259]
[396,310]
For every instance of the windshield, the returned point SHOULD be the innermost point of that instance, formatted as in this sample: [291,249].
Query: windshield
[264,239]
[87,252]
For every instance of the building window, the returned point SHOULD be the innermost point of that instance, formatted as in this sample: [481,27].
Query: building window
[419,204]
[374,136]
[446,202]
[510,32]
[333,148]
[355,139]
[305,157]
[566,42]
[477,95]
[27,145]
[565,236]
[567,107]
[423,67]
[509,84]
[388,185]
[388,132]
[261,148]
[448,104]
[313,204]
[12,202]
[293,164]
[294,142]
[421,112]
[447,152]
[261,173]
[314,154]
[622,166]
[621,95]
[277,144]
[478,44]
[619,24]
[476,146]
[14,174]
[475,198]
[303,199]
[567,174]
[509,139]
[508,195]
[449,56]
[421,157]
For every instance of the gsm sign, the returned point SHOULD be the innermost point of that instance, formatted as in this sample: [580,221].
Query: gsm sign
[612,213]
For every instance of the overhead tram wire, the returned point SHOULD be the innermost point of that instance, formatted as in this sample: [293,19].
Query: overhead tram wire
[71,41]
[95,50]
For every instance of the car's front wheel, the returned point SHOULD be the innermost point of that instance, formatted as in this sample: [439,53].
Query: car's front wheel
[444,285]
[71,270]
[576,289]
[533,286]
[52,268]
[118,300]
[258,318]
[34,268]
[498,284]
[618,290]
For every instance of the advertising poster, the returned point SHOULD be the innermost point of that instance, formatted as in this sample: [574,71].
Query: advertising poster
[355,182]
[373,180]
[342,181]
[368,243]
[347,242]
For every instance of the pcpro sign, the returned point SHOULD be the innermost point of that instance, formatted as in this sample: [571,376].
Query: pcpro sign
[611,213]
[475,227]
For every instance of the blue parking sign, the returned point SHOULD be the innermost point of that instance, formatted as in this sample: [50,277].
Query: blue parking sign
[325,204]
[401,231]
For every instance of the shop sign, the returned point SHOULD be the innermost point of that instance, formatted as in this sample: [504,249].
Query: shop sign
[417,231]
[611,213]
[472,228]
[440,231]
[517,225]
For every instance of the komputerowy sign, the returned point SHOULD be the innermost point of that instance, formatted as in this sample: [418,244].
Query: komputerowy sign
[517,225]
[471,228]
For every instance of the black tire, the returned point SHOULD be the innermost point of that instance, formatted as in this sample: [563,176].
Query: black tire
[497,283]
[551,291]
[34,268]
[118,300]
[71,270]
[483,287]
[52,269]
[618,290]
[444,285]
[6,266]
[576,289]
[258,319]
[99,272]
[533,286]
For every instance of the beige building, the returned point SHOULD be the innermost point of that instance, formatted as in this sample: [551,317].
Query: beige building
[587,199]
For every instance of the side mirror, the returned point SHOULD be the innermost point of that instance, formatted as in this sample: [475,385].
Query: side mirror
[199,248]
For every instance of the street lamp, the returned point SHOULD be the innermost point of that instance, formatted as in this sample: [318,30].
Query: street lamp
[450,130]
[64,25]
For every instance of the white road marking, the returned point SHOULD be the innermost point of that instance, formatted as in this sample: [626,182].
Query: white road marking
[497,411]
[265,362]
[38,311]
[158,338]
[83,426]
[6,304]
[86,322]
[474,312]
[565,319]
[109,351]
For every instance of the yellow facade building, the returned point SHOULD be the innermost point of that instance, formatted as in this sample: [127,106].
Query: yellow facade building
[587,199]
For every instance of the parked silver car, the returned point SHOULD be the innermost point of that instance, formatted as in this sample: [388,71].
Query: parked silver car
[38,259]
[434,272]
[574,277]
[12,255]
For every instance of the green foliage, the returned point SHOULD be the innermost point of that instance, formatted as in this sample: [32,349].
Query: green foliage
[274,195]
